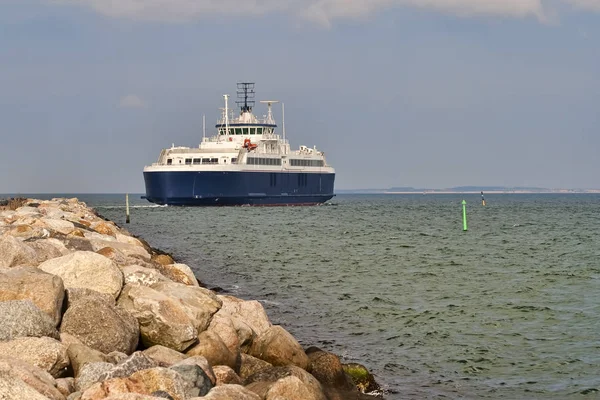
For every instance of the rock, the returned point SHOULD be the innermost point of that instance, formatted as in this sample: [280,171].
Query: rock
[226,375]
[138,275]
[46,291]
[248,317]
[116,357]
[279,348]
[47,249]
[101,326]
[73,295]
[202,363]
[163,259]
[179,273]
[57,225]
[66,386]
[45,353]
[84,269]
[13,388]
[136,396]
[199,304]
[104,228]
[362,378]
[68,340]
[292,388]
[80,355]
[145,382]
[251,365]
[23,318]
[274,374]
[113,254]
[223,326]
[162,319]
[75,243]
[39,380]
[163,356]
[328,370]
[197,382]
[15,253]
[91,373]
[230,392]
[27,212]
[211,347]
[125,248]
[26,232]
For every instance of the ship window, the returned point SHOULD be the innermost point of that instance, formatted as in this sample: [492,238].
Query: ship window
[238,131]
[214,160]
[169,161]
[259,131]
[188,161]
[233,160]
[197,160]
[206,161]
[245,130]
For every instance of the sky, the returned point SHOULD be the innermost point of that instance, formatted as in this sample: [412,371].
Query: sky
[398,93]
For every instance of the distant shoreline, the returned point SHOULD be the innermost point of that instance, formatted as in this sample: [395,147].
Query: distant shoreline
[426,192]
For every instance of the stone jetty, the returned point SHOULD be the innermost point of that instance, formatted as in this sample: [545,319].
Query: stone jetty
[88,311]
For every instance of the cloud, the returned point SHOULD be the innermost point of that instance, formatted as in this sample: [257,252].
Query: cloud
[320,11]
[132,101]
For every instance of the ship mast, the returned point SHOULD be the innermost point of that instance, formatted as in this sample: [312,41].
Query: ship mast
[245,95]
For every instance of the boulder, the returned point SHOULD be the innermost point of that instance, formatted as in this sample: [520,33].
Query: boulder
[47,249]
[163,356]
[226,375]
[13,388]
[248,317]
[199,304]
[278,347]
[101,326]
[114,255]
[80,355]
[230,392]
[100,372]
[163,320]
[202,363]
[91,373]
[179,273]
[328,370]
[211,347]
[197,382]
[27,232]
[34,377]
[163,259]
[46,291]
[144,382]
[23,318]
[125,248]
[84,269]
[362,378]
[104,228]
[66,386]
[15,252]
[73,295]
[223,326]
[292,388]
[138,275]
[45,353]
[57,225]
[257,381]
[251,365]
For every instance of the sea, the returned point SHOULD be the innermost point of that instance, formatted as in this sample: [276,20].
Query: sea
[509,309]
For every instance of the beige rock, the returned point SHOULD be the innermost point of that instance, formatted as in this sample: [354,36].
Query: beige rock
[45,353]
[230,392]
[33,376]
[57,225]
[279,348]
[200,304]
[249,318]
[13,388]
[144,382]
[47,249]
[164,356]
[162,319]
[80,355]
[258,382]
[179,273]
[84,269]
[125,248]
[251,365]
[15,252]
[226,375]
[131,240]
[65,385]
[215,351]
[75,294]
[104,228]
[292,388]
[163,259]
[46,291]
[101,326]
[25,232]
[138,275]
[113,254]
[222,325]
[23,318]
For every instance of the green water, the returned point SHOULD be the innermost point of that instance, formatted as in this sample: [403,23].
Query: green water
[509,309]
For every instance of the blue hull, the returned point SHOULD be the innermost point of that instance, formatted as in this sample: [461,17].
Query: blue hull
[238,188]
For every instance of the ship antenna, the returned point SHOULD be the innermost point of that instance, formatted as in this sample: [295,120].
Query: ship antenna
[283,120]
[269,103]
[226,96]
[203,127]
[245,95]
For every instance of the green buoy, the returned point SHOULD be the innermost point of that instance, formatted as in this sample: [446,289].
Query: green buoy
[464,204]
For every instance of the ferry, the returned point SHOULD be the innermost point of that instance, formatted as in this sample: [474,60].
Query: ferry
[245,163]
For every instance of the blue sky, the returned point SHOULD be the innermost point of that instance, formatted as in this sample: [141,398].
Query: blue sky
[424,93]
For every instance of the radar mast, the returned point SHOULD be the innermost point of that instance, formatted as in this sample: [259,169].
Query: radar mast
[245,95]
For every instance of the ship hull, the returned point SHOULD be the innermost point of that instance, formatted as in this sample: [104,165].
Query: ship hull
[193,188]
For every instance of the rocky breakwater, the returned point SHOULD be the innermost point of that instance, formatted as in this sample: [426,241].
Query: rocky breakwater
[90,312]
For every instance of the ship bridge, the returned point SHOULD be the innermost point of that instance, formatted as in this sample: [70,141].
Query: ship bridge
[246,123]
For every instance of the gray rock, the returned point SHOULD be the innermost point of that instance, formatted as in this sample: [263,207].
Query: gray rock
[23,318]
[45,353]
[136,362]
[198,383]
[13,388]
[39,380]
[138,275]
[202,363]
[46,291]
[91,373]
[15,253]
[73,295]
[80,355]
[101,326]
[230,392]
[84,269]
